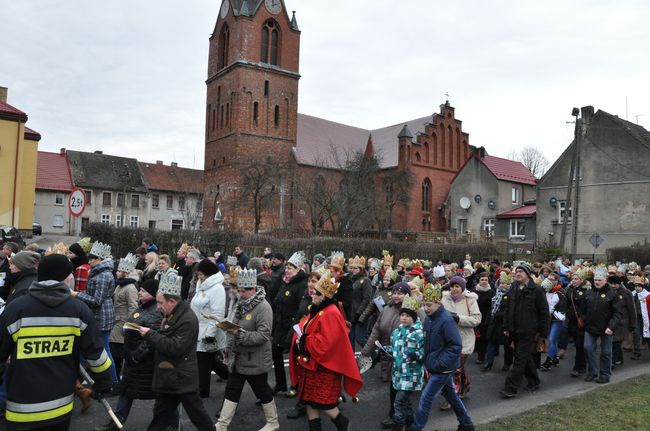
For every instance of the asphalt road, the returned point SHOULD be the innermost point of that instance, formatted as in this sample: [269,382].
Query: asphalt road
[483,402]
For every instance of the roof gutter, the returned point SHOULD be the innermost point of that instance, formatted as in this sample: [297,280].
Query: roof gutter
[13,209]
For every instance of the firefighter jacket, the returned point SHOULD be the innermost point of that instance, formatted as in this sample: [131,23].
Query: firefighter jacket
[44,333]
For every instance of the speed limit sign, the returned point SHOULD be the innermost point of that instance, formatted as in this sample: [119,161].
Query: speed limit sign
[77,202]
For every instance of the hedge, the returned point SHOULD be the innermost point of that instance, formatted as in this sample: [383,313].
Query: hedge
[126,239]
[638,254]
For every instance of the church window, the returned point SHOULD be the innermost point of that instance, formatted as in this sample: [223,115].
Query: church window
[227,114]
[221,117]
[224,41]
[276,117]
[417,157]
[450,140]
[270,43]
[255,113]
[274,47]
[435,149]
[442,144]
[426,152]
[266,88]
[426,195]
[264,49]
[457,148]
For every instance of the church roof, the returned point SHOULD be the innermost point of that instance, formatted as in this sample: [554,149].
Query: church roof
[319,139]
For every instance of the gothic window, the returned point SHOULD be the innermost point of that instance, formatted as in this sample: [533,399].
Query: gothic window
[276,116]
[255,113]
[224,40]
[270,43]
[417,157]
[426,195]
[457,148]
[450,140]
[426,152]
[435,149]
[442,144]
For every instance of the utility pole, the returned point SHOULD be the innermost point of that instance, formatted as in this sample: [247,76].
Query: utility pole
[569,193]
[580,134]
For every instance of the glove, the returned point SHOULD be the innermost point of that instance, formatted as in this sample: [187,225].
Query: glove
[209,340]
[103,386]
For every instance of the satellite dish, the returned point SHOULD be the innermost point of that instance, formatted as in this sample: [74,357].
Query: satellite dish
[465,203]
[492,205]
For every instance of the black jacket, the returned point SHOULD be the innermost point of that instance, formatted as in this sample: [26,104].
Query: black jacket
[345,295]
[527,310]
[286,306]
[138,354]
[175,352]
[600,310]
[19,282]
[575,297]
[484,304]
[627,323]
[496,324]
[277,273]
[362,291]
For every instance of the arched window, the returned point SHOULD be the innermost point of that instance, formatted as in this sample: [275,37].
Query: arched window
[457,148]
[435,149]
[450,140]
[276,116]
[224,41]
[255,113]
[270,46]
[426,195]
[417,157]
[443,144]
[426,152]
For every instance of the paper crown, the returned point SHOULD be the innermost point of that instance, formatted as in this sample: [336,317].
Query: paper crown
[357,262]
[640,280]
[246,279]
[326,285]
[411,303]
[505,277]
[432,293]
[297,259]
[584,273]
[439,271]
[101,250]
[231,261]
[416,264]
[170,284]
[611,269]
[127,263]
[404,263]
[85,244]
[376,263]
[388,259]
[59,248]
[417,282]
[426,263]
[547,284]
[232,270]
[185,247]
[600,272]
[633,266]
[392,274]
[337,259]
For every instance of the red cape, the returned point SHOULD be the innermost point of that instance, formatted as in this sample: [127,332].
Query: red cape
[328,345]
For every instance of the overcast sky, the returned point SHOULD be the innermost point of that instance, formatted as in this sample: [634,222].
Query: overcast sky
[127,77]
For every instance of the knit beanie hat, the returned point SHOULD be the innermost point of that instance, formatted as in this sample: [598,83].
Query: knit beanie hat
[207,267]
[26,260]
[77,250]
[151,286]
[54,267]
[403,287]
[459,281]
[525,267]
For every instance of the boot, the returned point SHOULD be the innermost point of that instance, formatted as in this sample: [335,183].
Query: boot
[555,362]
[548,363]
[84,395]
[108,426]
[487,366]
[342,423]
[298,411]
[314,424]
[227,413]
[271,415]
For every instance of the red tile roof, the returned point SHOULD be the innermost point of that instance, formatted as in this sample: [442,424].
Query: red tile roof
[509,170]
[172,178]
[53,172]
[526,211]
[31,134]
[8,111]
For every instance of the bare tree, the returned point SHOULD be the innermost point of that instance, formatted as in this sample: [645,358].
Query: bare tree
[260,183]
[532,158]
[397,185]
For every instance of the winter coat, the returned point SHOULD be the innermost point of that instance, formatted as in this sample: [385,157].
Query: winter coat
[210,300]
[527,310]
[345,295]
[371,312]
[386,323]
[186,271]
[407,348]
[175,362]
[252,348]
[484,303]
[496,326]
[575,298]
[627,323]
[242,260]
[125,299]
[263,280]
[19,282]
[600,310]
[138,370]
[362,291]
[443,344]
[99,294]
[557,305]
[286,307]
[469,317]
[276,276]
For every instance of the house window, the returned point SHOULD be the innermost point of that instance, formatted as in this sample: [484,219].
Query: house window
[181,202]
[118,220]
[106,199]
[58,199]
[89,197]
[515,195]
[170,202]
[177,224]
[155,200]
[426,195]
[120,200]
[152,224]
[517,228]
[135,201]
[106,218]
[57,221]
[462,226]
[561,207]
[488,227]
[135,221]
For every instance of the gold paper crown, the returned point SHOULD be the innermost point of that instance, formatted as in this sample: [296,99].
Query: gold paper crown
[357,262]
[101,250]
[432,293]
[127,263]
[246,278]
[505,278]
[170,284]
[392,274]
[232,270]
[85,244]
[326,285]
[418,282]
[337,260]
[185,247]
[611,269]
[388,259]
[426,263]
[600,272]
[584,273]
[411,303]
[641,280]
[404,263]
[416,264]
[59,248]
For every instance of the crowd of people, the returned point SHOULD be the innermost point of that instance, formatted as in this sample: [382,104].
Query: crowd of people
[156,326]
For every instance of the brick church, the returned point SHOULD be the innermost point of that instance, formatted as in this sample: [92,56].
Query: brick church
[252,115]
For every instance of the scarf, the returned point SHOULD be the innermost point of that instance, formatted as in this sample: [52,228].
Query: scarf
[459,297]
[496,300]
[555,288]
[479,288]
[124,281]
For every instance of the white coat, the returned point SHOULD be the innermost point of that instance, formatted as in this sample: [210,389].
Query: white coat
[469,317]
[210,300]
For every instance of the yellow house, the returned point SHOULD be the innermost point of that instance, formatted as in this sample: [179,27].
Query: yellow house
[18,158]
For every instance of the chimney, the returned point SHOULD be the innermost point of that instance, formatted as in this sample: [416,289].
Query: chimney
[159,162]
[587,112]
[3,94]
[174,165]
[98,152]
[62,152]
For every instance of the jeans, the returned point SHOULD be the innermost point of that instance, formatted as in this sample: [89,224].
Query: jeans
[107,347]
[359,334]
[439,383]
[563,342]
[403,407]
[591,342]
[553,338]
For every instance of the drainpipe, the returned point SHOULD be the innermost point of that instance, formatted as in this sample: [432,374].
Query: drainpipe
[13,209]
